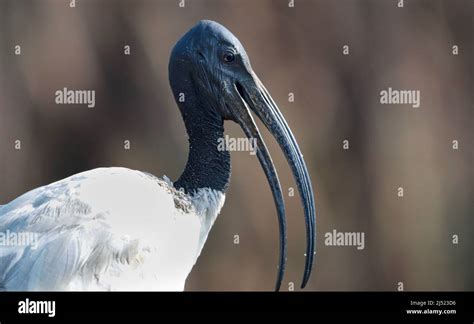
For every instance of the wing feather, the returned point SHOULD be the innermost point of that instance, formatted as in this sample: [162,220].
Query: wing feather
[76,239]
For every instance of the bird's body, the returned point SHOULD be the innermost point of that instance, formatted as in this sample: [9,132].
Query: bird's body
[119,229]
[106,229]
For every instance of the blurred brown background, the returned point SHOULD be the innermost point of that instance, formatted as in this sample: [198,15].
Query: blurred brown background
[295,50]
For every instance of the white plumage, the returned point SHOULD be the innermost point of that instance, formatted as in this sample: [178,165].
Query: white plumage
[106,229]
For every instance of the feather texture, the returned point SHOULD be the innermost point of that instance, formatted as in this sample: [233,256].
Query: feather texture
[106,229]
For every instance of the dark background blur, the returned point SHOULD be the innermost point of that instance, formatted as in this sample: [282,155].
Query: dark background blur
[295,50]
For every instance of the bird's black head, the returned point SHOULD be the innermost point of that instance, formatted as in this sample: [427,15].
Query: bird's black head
[212,81]
[211,61]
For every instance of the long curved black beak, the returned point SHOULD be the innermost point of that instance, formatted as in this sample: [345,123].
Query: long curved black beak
[252,95]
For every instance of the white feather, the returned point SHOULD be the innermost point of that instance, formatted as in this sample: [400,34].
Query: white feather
[106,229]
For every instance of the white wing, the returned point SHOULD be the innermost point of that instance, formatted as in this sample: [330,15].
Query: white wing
[104,229]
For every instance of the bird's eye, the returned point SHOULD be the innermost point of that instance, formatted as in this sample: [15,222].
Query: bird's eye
[229,57]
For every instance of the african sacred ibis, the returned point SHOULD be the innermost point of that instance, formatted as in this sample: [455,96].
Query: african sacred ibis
[121,229]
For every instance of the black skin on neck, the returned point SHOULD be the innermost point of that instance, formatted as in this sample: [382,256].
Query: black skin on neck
[207,166]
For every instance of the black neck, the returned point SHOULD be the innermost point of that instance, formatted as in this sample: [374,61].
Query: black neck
[207,165]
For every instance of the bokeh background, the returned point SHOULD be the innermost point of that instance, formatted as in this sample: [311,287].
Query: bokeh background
[296,50]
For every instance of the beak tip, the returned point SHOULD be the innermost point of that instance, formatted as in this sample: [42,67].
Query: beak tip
[304,283]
